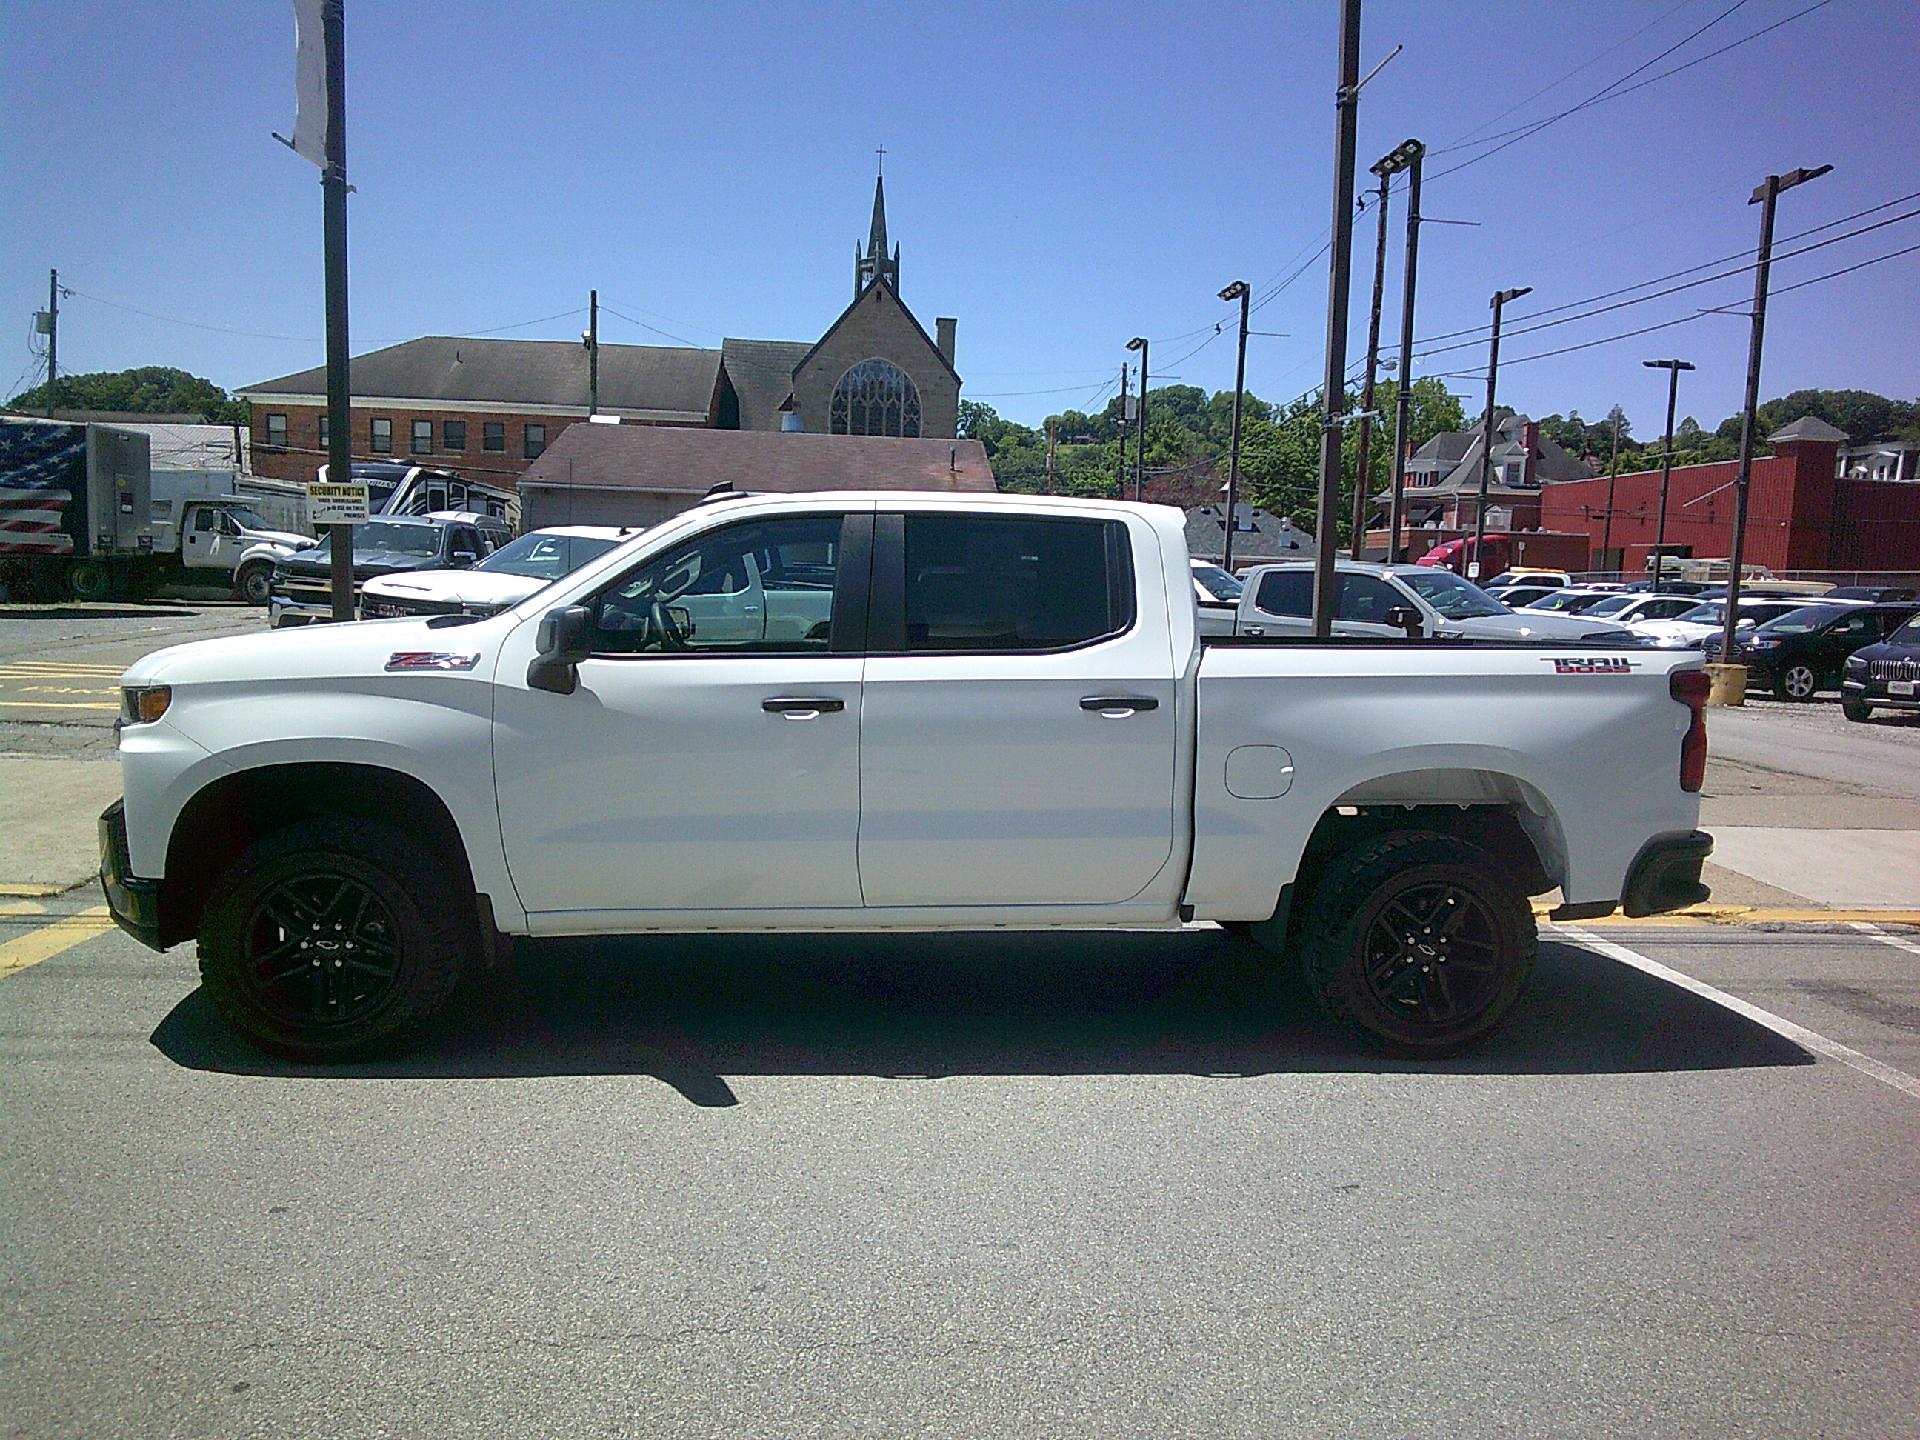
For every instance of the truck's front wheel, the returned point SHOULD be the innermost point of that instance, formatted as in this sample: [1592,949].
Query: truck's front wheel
[330,936]
[255,582]
[1418,940]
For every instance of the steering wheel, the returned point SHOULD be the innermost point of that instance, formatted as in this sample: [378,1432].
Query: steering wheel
[665,627]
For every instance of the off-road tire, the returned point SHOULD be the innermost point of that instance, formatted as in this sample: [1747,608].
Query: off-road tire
[1336,927]
[1856,711]
[89,580]
[430,918]
[1790,679]
[254,583]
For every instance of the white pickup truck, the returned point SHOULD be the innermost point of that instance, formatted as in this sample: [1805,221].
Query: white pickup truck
[903,712]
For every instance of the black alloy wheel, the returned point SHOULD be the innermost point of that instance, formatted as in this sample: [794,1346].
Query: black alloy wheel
[322,951]
[256,584]
[1432,953]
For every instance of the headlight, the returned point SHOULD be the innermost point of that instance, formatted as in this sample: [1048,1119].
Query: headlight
[144,704]
[1759,642]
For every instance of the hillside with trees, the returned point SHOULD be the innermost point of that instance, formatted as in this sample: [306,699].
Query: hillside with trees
[146,390]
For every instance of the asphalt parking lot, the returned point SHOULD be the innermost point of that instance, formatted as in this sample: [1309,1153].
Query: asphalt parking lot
[977,1184]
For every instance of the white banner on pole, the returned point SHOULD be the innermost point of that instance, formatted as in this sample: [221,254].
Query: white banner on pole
[309,82]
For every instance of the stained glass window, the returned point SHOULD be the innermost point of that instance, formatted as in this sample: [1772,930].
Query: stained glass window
[875,397]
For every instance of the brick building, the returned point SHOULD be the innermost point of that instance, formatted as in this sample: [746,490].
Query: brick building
[1801,514]
[489,408]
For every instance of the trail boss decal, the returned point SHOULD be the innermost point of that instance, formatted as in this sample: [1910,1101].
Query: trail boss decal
[1592,665]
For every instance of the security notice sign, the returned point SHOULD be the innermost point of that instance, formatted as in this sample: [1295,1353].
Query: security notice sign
[337,504]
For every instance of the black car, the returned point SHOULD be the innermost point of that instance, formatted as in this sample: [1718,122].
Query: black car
[1883,674]
[1806,649]
[1878,594]
[302,589]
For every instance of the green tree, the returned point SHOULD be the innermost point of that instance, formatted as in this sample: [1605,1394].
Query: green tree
[146,390]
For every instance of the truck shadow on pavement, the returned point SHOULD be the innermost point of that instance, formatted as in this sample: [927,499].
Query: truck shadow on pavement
[691,1010]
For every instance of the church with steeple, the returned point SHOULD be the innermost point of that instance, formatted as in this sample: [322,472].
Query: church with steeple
[875,371]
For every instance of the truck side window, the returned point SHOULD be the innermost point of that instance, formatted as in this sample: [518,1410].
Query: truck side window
[1367,599]
[1286,592]
[997,583]
[762,587]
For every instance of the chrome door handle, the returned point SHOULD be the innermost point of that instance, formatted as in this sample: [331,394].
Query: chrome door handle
[1117,705]
[1252,630]
[802,707]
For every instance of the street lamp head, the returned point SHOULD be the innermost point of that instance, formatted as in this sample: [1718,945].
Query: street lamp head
[1138,342]
[1514,294]
[1234,291]
[1401,157]
[1787,182]
[1668,364]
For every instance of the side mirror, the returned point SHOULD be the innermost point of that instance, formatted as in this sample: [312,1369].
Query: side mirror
[565,639]
[1405,617]
[465,557]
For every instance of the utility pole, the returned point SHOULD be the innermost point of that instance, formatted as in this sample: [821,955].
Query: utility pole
[1121,475]
[1673,369]
[1339,276]
[593,353]
[1500,298]
[333,188]
[1405,156]
[1139,342]
[53,339]
[1764,196]
[1613,474]
[1363,452]
[1238,290]
[1049,486]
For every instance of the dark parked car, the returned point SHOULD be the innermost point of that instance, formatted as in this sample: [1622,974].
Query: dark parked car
[386,545]
[1806,649]
[1884,674]
[1878,594]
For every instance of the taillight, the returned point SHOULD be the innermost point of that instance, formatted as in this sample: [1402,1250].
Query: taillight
[1690,688]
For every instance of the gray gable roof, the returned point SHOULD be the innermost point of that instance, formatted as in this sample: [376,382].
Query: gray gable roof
[1810,427]
[1259,535]
[762,376]
[654,380]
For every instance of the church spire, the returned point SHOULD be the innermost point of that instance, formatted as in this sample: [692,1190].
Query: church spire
[876,264]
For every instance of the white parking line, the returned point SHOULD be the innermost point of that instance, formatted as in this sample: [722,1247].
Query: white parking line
[1897,941]
[1807,1039]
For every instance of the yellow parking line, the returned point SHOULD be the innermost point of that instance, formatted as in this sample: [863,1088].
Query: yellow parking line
[50,940]
[1751,915]
[30,890]
[58,705]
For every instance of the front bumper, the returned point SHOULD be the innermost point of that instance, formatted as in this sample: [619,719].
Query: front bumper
[285,610]
[134,903]
[1874,693]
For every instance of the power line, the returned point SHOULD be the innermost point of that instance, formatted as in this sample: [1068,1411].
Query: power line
[1614,92]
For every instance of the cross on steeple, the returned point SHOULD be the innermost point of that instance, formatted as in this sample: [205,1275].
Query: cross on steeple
[881,168]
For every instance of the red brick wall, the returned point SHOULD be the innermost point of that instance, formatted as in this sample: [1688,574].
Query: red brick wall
[1799,516]
[304,454]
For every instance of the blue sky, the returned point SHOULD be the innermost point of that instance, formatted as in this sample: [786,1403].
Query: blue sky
[1060,178]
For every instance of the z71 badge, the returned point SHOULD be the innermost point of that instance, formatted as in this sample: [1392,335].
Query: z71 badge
[1592,665]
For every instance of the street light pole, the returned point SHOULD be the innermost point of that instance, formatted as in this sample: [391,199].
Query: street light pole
[1238,290]
[333,190]
[1363,451]
[1139,342]
[1673,369]
[1500,298]
[1333,390]
[1764,196]
[1406,156]
[1613,476]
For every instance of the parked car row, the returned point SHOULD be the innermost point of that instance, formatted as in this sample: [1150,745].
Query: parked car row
[1806,650]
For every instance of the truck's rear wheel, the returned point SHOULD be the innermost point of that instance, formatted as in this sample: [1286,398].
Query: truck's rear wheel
[1417,940]
[330,936]
[90,580]
[255,583]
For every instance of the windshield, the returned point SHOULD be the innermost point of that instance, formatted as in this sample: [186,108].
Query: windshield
[1565,600]
[545,557]
[1453,597]
[1907,634]
[1612,605]
[246,518]
[1217,582]
[388,536]
[1703,615]
[1799,622]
